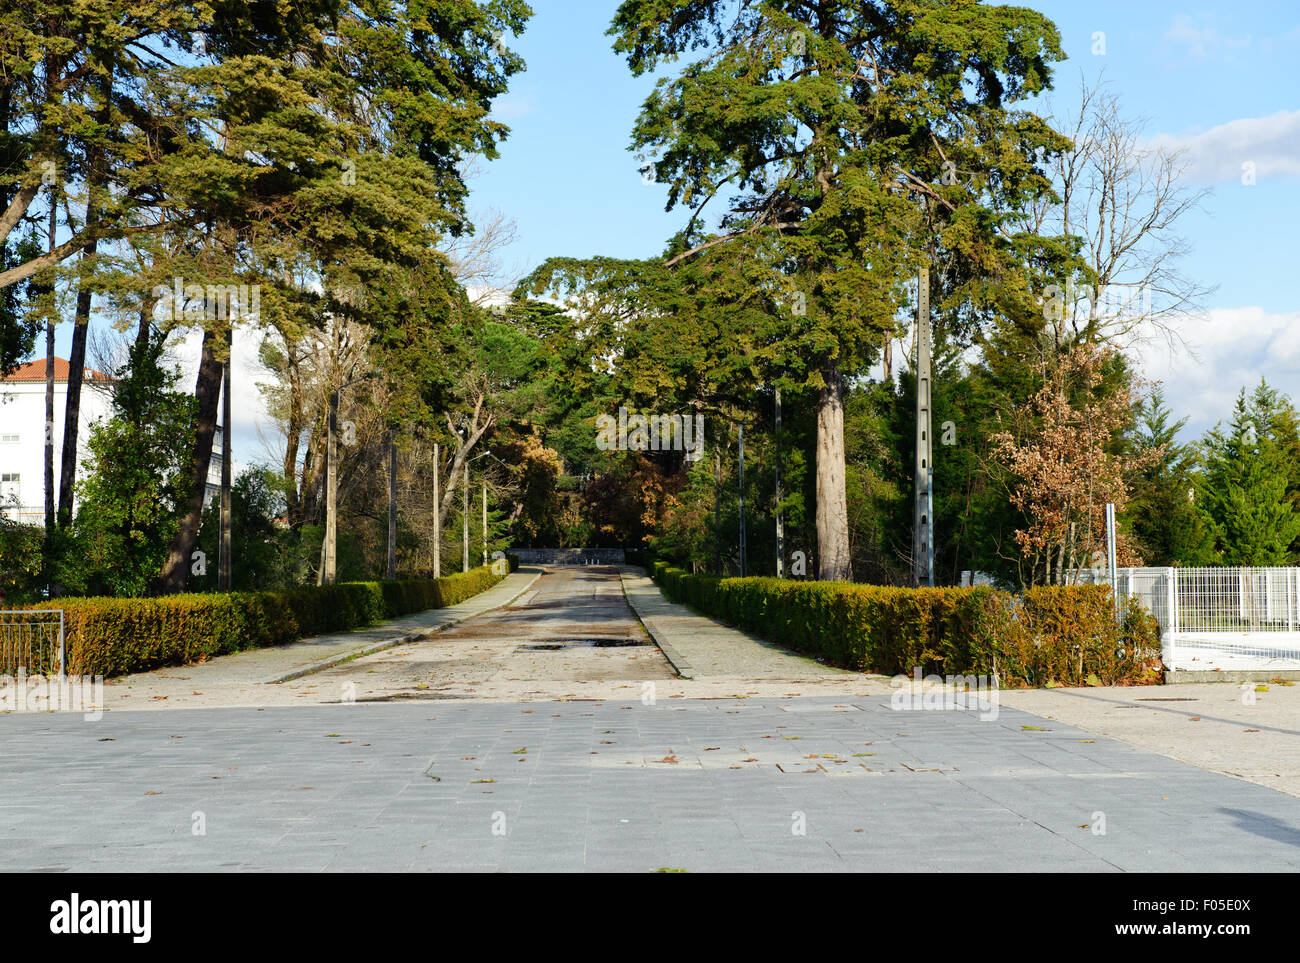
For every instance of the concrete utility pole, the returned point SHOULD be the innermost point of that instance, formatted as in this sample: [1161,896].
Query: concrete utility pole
[1111,572]
[741,447]
[717,512]
[780,516]
[224,580]
[923,516]
[464,562]
[437,517]
[392,507]
[485,523]
[328,547]
[331,489]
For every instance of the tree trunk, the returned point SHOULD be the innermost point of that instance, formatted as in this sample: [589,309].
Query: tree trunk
[207,391]
[81,324]
[293,438]
[72,410]
[832,487]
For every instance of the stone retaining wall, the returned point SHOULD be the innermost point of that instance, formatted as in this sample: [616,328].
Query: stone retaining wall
[569,556]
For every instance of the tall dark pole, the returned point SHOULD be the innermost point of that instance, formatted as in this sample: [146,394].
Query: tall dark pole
[780,515]
[224,580]
[48,554]
[392,507]
[923,516]
[741,445]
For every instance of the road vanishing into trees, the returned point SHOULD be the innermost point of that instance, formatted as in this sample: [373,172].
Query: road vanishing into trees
[574,625]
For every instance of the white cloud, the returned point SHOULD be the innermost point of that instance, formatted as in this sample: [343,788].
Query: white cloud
[1230,349]
[1271,144]
[1199,39]
[512,106]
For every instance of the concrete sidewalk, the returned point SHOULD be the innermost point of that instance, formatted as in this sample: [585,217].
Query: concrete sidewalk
[1224,727]
[700,647]
[285,662]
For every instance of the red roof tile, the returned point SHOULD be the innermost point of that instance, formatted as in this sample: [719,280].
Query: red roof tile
[35,371]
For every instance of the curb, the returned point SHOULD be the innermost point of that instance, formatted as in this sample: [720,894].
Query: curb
[1175,676]
[406,639]
[675,658]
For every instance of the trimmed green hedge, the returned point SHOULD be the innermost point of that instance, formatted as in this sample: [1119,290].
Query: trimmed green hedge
[113,636]
[1061,635]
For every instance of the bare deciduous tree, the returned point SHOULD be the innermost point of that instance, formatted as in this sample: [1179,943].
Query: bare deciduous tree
[1125,198]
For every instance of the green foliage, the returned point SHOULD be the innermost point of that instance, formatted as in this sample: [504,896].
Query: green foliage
[258,553]
[20,562]
[839,174]
[116,636]
[1054,634]
[134,492]
[1163,513]
[1249,479]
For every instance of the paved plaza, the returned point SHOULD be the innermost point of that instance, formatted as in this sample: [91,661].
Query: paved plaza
[548,732]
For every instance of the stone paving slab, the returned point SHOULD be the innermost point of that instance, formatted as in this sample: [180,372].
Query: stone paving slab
[700,647]
[702,785]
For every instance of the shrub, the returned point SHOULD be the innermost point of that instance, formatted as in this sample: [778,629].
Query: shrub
[112,636]
[1061,634]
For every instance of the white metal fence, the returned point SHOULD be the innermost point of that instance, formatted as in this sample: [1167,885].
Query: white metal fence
[1223,617]
[32,641]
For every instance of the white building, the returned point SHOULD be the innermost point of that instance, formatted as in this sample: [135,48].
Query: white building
[22,434]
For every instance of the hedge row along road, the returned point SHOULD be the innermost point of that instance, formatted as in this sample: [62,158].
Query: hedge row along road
[574,635]
[571,635]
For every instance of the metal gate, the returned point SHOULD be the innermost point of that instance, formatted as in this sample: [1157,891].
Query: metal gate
[31,641]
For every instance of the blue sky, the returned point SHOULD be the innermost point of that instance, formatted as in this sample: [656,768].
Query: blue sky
[568,180]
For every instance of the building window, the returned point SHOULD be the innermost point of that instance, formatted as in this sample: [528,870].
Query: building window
[10,496]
